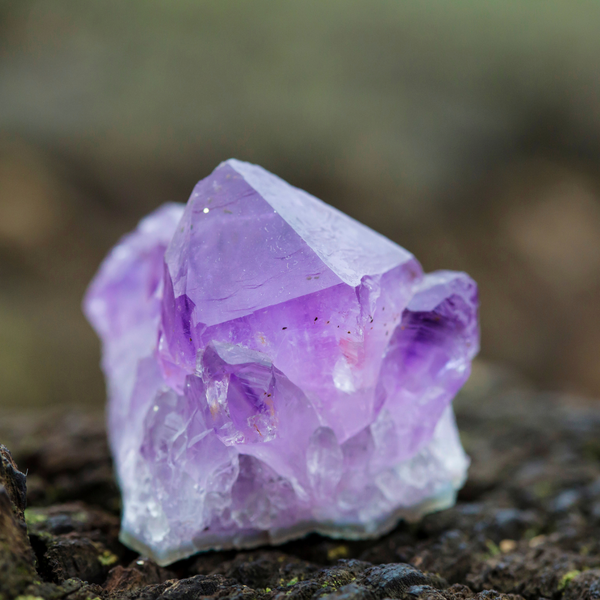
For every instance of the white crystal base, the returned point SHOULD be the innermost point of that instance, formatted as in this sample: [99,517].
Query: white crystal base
[253,539]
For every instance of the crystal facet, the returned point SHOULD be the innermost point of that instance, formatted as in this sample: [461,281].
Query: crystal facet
[275,367]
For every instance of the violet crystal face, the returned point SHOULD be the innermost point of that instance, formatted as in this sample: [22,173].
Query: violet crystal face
[275,368]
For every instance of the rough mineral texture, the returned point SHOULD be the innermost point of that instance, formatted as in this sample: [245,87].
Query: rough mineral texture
[274,368]
[526,524]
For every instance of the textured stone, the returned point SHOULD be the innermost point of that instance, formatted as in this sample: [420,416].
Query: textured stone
[275,367]
[17,569]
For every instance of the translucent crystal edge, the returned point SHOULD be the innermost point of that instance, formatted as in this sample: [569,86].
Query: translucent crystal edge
[255,539]
[134,298]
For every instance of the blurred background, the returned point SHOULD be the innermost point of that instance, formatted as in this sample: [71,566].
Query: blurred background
[469,132]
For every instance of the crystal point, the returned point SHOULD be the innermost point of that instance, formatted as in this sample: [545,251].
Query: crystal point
[274,368]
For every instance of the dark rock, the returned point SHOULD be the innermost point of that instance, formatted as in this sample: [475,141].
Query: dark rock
[63,558]
[66,456]
[581,586]
[458,592]
[451,554]
[351,592]
[423,592]
[394,581]
[141,572]
[75,519]
[268,569]
[494,595]
[215,586]
[205,563]
[16,556]
[539,571]
[344,572]
[74,541]
[14,482]
[72,589]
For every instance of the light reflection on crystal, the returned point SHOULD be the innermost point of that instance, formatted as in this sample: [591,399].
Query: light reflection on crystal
[274,368]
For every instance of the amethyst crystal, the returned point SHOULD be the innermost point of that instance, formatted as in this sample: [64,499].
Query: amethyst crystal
[275,367]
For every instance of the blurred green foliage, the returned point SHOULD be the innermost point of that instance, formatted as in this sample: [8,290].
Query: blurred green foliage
[433,122]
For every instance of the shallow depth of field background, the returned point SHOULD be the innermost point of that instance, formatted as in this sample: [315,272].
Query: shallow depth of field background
[469,132]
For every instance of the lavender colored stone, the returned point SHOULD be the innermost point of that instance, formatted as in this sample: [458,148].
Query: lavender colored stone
[275,367]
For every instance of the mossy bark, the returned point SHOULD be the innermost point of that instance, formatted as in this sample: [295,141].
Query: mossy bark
[17,570]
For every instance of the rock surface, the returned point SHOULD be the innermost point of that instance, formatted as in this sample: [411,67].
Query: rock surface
[527,524]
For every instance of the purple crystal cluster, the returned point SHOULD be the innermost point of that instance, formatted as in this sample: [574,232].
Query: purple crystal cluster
[275,367]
